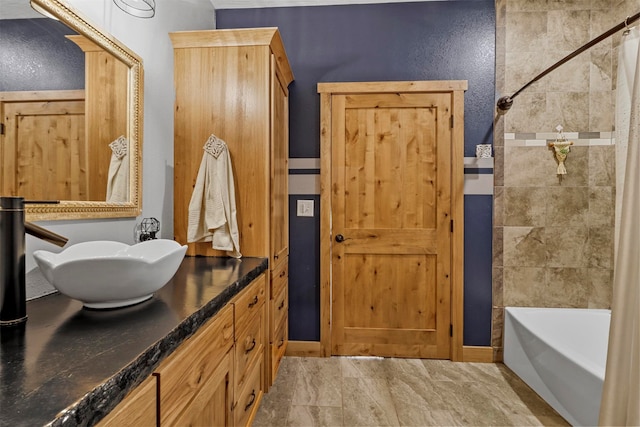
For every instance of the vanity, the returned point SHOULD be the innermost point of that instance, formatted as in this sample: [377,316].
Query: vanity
[194,353]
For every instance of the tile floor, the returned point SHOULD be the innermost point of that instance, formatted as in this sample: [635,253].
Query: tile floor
[341,391]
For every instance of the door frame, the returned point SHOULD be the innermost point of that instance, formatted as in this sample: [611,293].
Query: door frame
[454,87]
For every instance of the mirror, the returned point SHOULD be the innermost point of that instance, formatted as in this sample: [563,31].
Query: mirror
[99,174]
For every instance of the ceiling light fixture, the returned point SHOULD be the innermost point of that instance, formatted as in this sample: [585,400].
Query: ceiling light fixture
[137,8]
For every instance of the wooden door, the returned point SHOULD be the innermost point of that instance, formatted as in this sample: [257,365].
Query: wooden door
[44,153]
[391,224]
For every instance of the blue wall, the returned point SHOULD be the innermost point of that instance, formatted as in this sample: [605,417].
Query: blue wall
[447,40]
[35,55]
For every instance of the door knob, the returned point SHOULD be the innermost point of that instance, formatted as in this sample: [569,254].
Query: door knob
[339,238]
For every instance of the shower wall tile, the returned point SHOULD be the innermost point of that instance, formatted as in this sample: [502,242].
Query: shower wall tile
[566,246]
[568,28]
[526,31]
[498,159]
[526,6]
[524,166]
[601,207]
[599,248]
[569,109]
[602,107]
[525,206]
[600,295]
[571,77]
[600,4]
[497,326]
[528,112]
[602,169]
[498,207]
[523,286]
[601,77]
[568,4]
[566,287]
[567,206]
[524,246]
[497,286]
[498,239]
[523,66]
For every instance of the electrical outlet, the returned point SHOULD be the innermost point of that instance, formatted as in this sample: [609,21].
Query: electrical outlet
[305,208]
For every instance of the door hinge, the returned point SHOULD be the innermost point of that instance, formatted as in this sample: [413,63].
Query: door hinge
[452,226]
[451,329]
[451,121]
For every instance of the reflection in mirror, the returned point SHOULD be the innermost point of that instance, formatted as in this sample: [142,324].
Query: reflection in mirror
[72,120]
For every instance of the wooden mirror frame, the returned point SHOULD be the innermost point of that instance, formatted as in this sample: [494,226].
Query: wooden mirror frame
[70,209]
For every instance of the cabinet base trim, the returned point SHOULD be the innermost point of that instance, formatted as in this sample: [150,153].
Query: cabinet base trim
[304,348]
[477,354]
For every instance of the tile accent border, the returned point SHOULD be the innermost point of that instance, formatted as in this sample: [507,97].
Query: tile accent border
[584,139]
[304,176]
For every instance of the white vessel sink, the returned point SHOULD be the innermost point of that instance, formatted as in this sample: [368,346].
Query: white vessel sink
[105,274]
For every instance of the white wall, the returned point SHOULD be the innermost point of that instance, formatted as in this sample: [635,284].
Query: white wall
[149,38]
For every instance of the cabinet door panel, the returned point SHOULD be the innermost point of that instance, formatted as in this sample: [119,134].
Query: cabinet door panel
[212,404]
[249,346]
[250,302]
[279,346]
[138,409]
[183,374]
[249,397]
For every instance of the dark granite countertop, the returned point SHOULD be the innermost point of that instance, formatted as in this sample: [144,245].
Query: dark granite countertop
[69,366]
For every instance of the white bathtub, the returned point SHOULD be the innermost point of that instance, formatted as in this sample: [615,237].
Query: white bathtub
[560,353]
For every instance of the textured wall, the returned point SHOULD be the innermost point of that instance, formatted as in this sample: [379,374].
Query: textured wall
[553,238]
[452,40]
[35,55]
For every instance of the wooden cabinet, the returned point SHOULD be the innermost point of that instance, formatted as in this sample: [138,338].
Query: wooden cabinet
[234,84]
[215,378]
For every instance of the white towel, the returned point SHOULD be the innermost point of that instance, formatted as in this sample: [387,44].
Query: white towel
[212,209]
[118,178]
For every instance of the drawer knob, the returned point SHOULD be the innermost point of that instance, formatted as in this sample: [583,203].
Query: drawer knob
[251,400]
[250,347]
[254,302]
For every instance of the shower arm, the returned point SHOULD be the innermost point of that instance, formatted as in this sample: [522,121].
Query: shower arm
[505,103]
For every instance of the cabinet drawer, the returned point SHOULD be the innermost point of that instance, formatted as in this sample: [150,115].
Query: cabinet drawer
[137,409]
[184,371]
[250,301]
[279,309]
[279,276]
[279,346]
[249,346]
[249,397]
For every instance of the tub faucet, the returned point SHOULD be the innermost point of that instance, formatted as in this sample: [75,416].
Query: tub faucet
[13,295]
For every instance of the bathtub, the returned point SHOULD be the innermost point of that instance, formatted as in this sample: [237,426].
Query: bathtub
[561,354]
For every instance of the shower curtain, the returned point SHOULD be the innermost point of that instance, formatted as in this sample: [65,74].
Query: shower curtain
[621,392]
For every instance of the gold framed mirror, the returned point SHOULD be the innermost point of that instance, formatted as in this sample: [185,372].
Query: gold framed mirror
[124,99]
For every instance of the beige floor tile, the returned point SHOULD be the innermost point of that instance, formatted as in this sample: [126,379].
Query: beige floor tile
[312,416]
[349,392]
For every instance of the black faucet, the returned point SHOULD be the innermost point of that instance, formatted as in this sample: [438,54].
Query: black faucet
[13,294]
